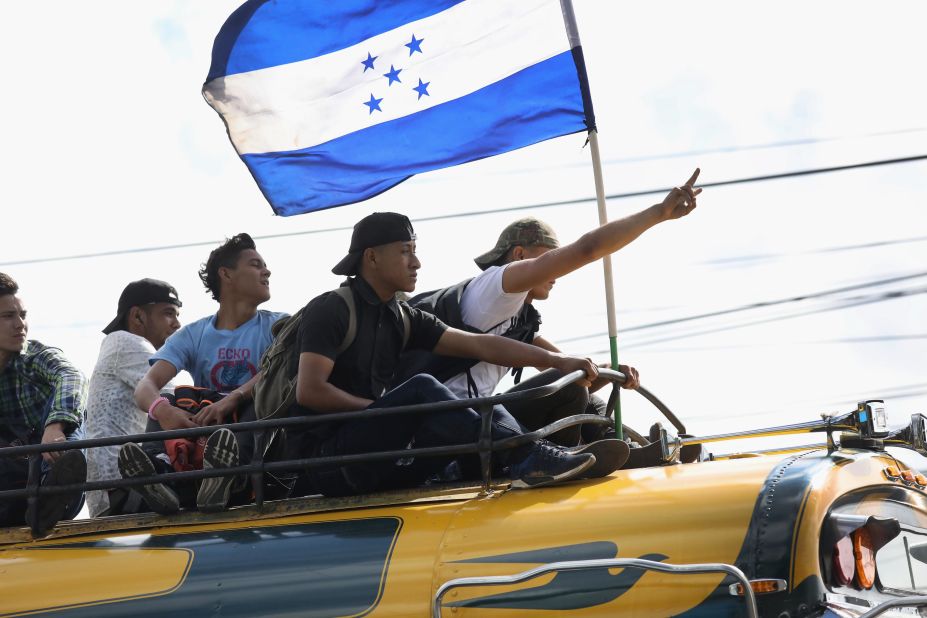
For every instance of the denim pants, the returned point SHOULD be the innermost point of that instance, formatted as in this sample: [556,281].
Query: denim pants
[14,474]
[395,432]
[570,400]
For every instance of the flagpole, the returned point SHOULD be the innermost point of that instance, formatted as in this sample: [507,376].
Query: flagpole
[569,20]
[607,269]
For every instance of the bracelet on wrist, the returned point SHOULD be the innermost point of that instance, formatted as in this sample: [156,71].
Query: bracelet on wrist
[155,404]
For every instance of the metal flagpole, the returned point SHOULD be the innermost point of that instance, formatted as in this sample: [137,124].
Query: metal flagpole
[569,19]
[607,268]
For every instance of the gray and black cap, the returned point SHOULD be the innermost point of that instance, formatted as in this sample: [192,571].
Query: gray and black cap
[379,228]
[139,293]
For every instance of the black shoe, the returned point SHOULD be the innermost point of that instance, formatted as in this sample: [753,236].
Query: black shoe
[610,455]
[69,469]
[547,464]
[654,434]
[221,452]
[134,463]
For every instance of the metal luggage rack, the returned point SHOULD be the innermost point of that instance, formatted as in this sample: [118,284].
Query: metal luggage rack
[866,427]
[259,466]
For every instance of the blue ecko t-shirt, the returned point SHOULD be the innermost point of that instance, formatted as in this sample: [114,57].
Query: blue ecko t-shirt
[219,359]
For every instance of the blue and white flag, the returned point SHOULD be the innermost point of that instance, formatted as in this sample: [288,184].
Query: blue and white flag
[330,102]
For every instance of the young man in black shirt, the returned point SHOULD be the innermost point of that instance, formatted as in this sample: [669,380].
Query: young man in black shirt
[381,262]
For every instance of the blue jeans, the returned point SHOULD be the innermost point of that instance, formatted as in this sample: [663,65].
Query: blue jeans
[14,474]
[395,432]
[572,399]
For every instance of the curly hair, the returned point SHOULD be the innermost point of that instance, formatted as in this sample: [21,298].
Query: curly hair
[223,256]
[8,285]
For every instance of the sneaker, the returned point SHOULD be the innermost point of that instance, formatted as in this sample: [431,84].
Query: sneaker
[221,452]
[71,468]
[610,455]
[133,464]
[547,464]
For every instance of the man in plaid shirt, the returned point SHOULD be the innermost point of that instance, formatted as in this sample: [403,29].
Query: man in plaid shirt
[42,400]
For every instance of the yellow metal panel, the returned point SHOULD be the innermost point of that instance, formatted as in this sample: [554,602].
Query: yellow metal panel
[691,513]
[47,579]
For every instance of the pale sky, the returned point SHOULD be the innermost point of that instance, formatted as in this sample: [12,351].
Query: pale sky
[109,146]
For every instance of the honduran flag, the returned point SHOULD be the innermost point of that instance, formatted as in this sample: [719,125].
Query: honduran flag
[330,102]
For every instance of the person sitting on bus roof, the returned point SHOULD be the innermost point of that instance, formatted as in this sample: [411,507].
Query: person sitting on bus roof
[221,352]
[43,398]
[381,262]
[522,268]
[146,315]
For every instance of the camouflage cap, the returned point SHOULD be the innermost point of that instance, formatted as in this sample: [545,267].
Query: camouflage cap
[527,232]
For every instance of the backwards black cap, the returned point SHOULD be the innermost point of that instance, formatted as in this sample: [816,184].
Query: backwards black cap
[138,293]
[377,229]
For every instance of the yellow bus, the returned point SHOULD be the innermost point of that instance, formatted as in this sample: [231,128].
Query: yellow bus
[836,529]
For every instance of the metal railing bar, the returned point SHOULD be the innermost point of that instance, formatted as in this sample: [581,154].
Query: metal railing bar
[915,601]
[617,378]
[257,478]
[301,464]
[582,565]
[532,393]
[659,405]
[840,424]
[33,486]
[485,447]
[817,446]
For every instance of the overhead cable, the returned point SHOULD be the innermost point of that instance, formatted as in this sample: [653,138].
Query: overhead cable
[460,215]
[759,305]
[851,303]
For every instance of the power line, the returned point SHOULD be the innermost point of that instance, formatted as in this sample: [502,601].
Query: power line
[759,305]
[836,340]
[870,339]
[905,391]
[877,298]
[460,215]
[807,141]
[867,300]
[839,249]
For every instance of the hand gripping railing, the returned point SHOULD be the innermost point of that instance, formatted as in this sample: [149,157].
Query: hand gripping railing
[583,565]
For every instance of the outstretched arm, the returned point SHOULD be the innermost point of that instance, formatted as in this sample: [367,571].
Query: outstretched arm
[523,275]
[510,353]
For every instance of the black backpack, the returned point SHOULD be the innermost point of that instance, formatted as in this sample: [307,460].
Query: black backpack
[445,304]
[275,392]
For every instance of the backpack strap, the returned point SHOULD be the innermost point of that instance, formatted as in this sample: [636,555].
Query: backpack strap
[348,297]
[406,324]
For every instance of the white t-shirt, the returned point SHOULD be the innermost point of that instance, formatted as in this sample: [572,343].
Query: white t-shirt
[111,409]
[487,307]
